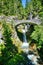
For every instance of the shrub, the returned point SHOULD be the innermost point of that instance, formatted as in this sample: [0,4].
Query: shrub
[10,49]
[37,35]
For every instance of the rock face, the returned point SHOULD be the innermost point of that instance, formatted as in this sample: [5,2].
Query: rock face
[0,34]
[1,41]
[8,18]
[2,17]
[33,58]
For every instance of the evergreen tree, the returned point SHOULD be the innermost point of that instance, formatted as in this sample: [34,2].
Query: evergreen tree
[10,7]
[34,6]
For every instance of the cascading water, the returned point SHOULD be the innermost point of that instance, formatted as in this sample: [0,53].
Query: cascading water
[25,47]
[24,36]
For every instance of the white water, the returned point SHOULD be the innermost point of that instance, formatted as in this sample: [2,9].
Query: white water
[25,44]
[24,36]
[25,47]
[33,58]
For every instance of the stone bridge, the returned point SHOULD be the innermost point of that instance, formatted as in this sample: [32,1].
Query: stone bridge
[19,22]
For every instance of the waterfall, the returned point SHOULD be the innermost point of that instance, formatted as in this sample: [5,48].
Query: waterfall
[24,36]
[25,45]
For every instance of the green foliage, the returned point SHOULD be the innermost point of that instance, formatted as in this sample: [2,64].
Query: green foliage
[41,2]
[6,33]
[10,49]
[34,6]
[10,7]
[41,17]
[2,46]
[37,35]
[18,59]
[22,13]
[14,7]
[41,14]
